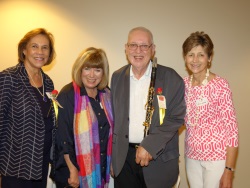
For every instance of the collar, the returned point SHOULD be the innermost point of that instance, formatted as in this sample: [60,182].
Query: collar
[24,75]
[147,72]
[84,92]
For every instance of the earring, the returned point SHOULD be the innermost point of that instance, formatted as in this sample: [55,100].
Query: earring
[209,64]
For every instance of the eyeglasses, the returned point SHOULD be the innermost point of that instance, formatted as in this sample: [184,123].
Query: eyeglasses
[143,47]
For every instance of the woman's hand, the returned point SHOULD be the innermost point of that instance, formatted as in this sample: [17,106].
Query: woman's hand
[73,180]
[111,171]
[226,179]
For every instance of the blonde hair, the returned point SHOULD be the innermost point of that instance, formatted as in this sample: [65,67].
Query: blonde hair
[92,58]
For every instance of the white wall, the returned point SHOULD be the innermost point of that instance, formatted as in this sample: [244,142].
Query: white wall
[77,24]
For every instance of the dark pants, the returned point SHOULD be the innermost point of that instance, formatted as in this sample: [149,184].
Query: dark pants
[131,175]
[62,185]
[13,182]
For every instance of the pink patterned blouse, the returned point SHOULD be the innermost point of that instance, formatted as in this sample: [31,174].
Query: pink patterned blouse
[210,120]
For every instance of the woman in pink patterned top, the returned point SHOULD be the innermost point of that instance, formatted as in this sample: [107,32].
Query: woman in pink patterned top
[211,142]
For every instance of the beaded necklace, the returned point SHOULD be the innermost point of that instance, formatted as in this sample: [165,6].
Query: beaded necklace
[202,100]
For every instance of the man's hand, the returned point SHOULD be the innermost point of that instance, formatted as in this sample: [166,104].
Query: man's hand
[142,157]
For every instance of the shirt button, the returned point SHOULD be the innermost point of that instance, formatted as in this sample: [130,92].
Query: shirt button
[101,154]
[101,140]
[101,127]
[99,113]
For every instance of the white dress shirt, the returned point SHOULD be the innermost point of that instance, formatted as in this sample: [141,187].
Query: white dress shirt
[138,98]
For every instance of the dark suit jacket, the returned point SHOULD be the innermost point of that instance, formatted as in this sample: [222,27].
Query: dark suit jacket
[162,141]
[22,127]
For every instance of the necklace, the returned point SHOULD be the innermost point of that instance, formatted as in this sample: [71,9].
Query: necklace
[205,81]
[42,94]
[202,100]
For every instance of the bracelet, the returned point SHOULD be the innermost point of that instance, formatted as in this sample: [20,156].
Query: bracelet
[231,169]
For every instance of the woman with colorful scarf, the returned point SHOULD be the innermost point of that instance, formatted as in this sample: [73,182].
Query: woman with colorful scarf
[85,124]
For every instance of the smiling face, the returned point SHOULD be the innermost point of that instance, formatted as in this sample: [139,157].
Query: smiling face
[197,60]
[37,52]
[138,57]
[91,77]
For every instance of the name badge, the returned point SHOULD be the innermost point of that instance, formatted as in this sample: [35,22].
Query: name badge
[201,102]
[161,101]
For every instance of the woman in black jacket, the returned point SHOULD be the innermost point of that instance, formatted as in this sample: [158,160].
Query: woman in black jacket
[27,116]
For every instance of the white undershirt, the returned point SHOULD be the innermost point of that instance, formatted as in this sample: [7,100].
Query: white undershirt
[138,98]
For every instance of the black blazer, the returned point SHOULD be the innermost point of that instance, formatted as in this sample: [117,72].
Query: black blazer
[22,127]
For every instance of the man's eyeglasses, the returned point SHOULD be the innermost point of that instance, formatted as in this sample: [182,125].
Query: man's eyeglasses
[143,47]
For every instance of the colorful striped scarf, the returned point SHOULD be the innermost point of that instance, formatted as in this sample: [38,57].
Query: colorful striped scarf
[86,135]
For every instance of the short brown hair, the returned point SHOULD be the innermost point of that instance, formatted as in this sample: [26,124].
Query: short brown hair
[24,41]
[195,39]
[92,58]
